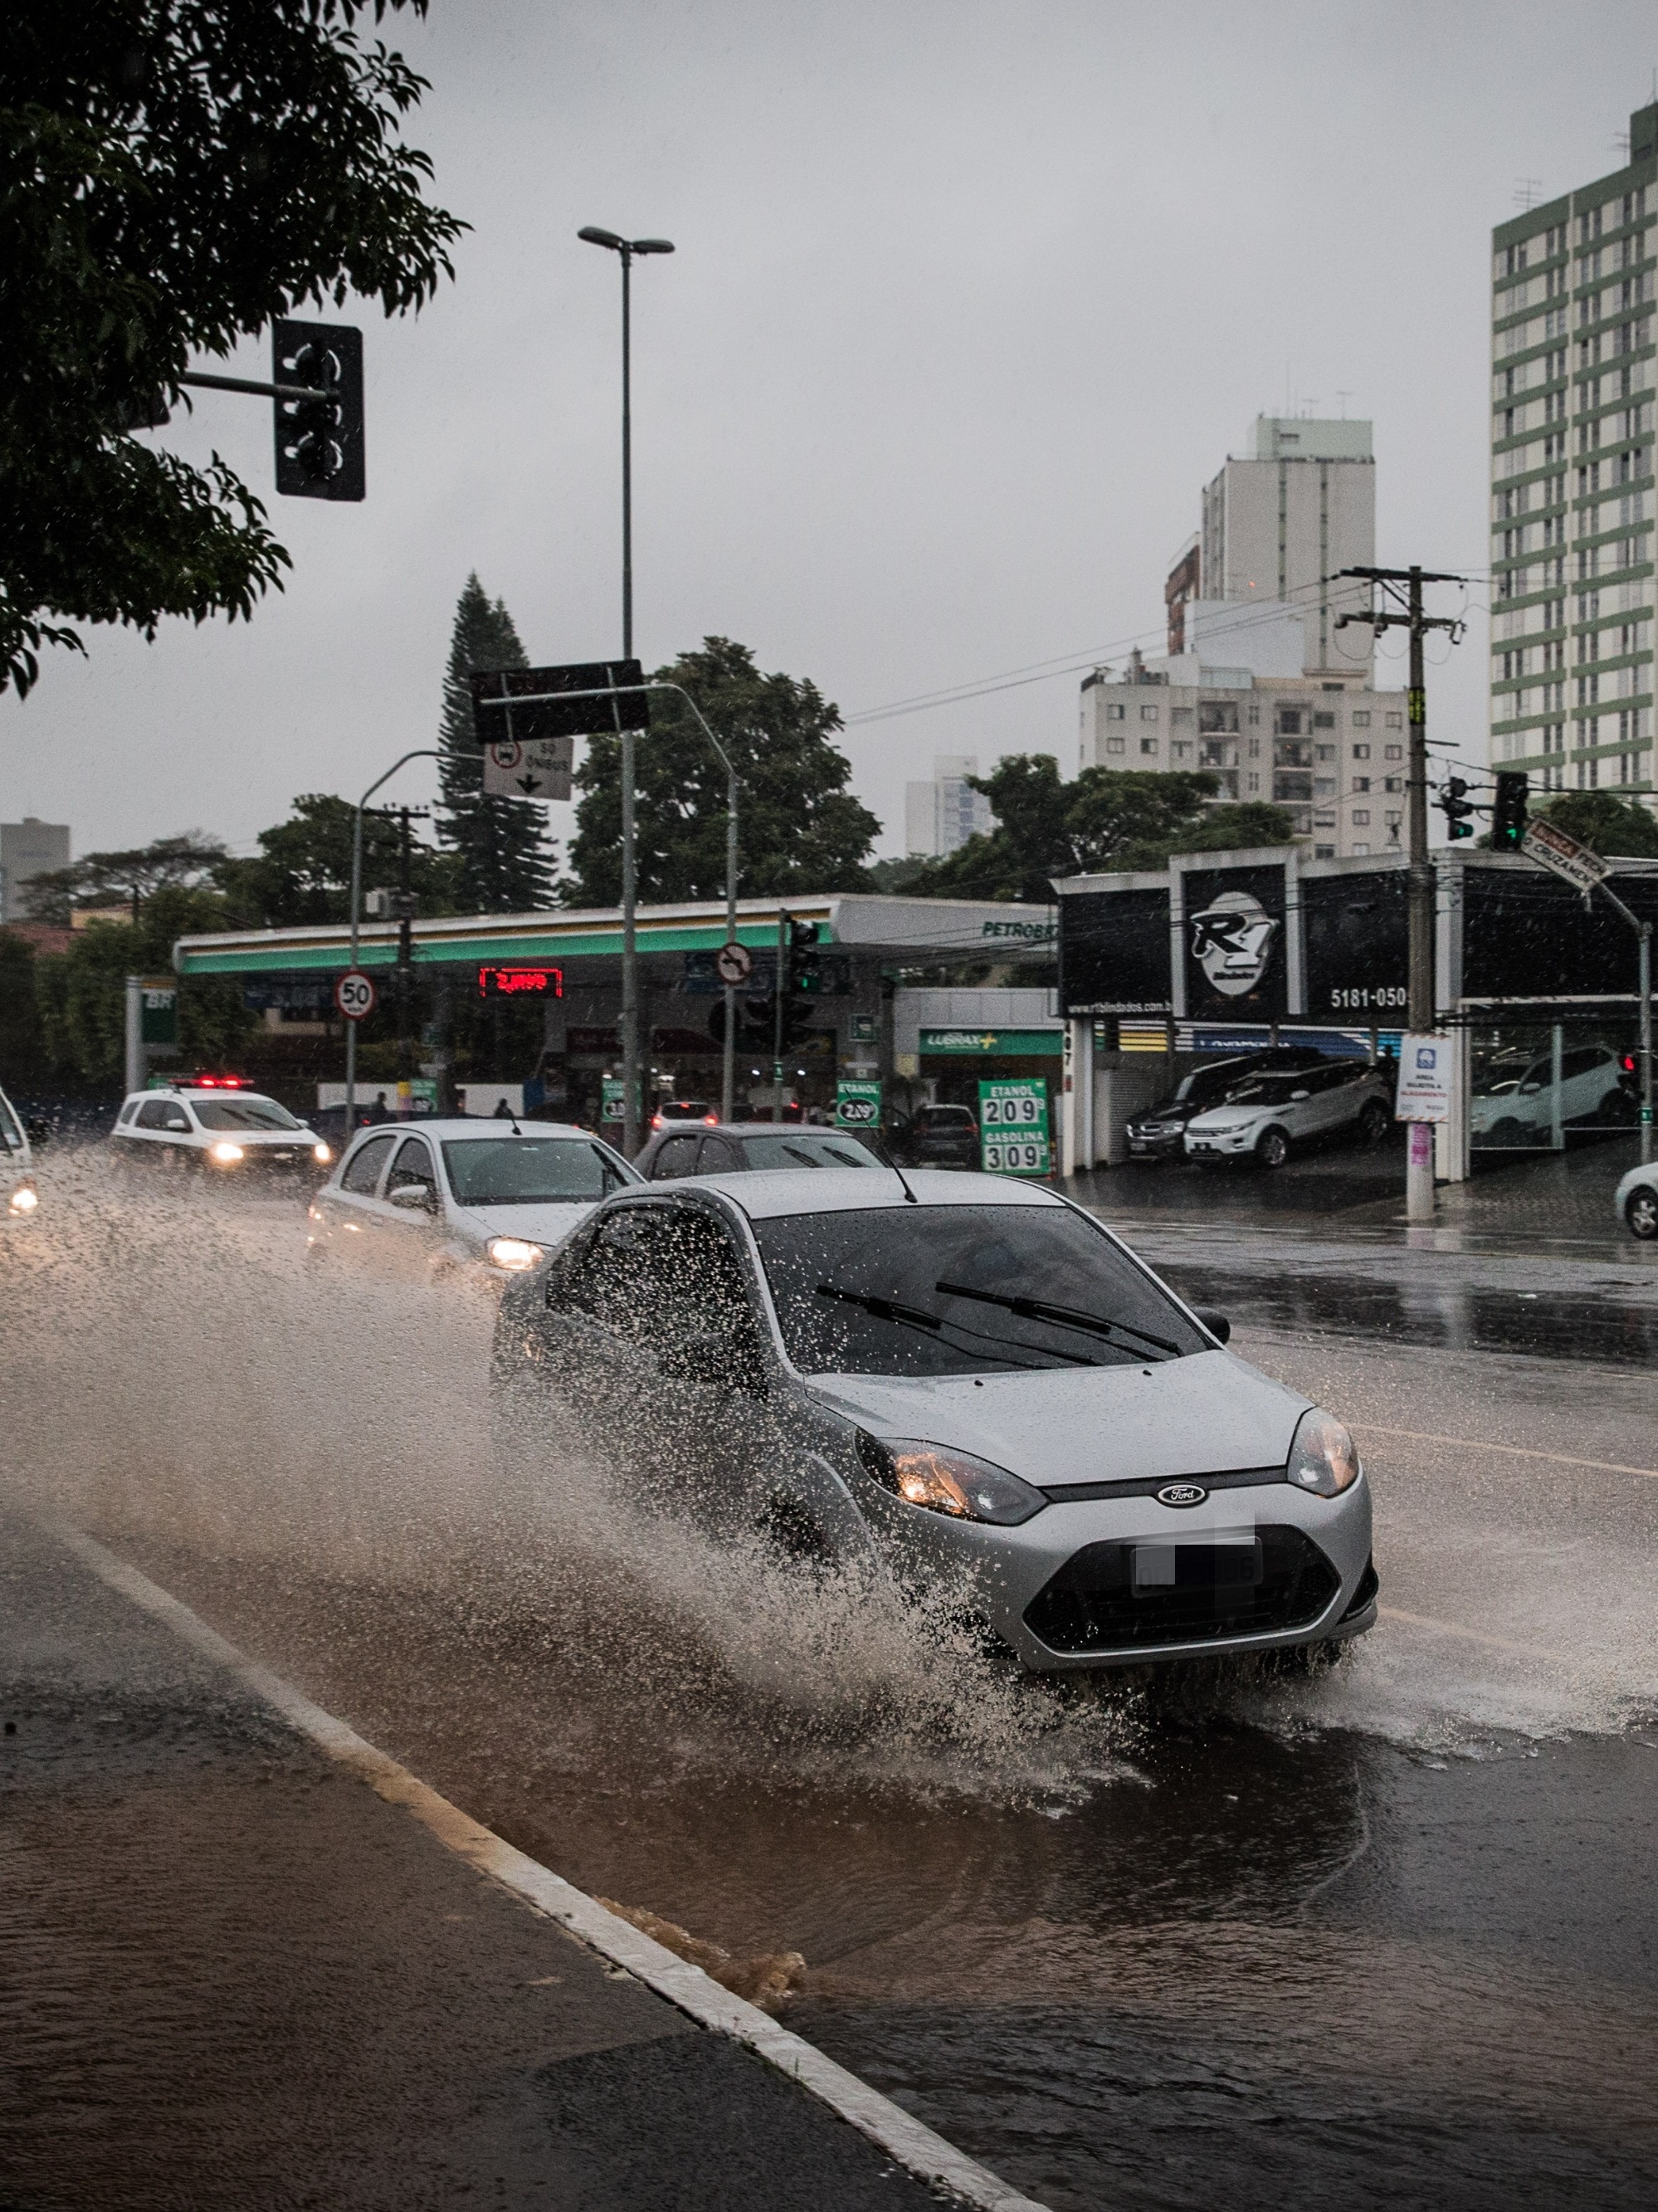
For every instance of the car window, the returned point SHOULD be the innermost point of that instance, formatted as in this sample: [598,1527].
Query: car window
[162,1113]
[928,1290]
[804,1148]
[1584,1060]
[242,1114]
[943,1117]
[11,1136]
[677,1156]
[719,1156]
[127,1113]
[529,1170]
[413,1165]
[660,1275]
[362,1170]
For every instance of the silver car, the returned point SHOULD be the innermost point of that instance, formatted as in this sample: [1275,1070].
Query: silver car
[961,1380]
[415,1199]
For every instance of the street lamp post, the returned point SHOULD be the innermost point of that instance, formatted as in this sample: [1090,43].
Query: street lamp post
[421,752]
[626,248]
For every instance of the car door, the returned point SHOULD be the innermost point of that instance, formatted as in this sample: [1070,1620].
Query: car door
[351,1216]
[659,1355]
[1342,1096]
[159,1123]
[410,1225]
[676,1155]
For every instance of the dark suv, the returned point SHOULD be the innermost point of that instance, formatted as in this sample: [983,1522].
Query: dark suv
[939,1136]
[1158,1133]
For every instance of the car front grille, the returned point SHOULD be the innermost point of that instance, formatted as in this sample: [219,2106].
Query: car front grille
[1091,1605]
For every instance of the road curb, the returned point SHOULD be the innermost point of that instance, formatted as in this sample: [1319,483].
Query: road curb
[906,2139]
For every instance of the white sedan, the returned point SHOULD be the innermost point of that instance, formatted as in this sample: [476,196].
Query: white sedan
[1637,1201]
[413,1201]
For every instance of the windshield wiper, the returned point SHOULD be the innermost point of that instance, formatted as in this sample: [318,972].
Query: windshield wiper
[1065,1316]
[890,1309]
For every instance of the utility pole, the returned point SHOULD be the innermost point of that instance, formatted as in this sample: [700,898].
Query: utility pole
[780,1000]
[1405,613]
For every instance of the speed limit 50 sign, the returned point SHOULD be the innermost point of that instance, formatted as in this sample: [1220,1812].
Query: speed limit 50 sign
[355,994]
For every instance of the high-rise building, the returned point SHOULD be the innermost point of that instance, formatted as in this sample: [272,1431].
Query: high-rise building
[1280,522]
[28,849]
[941,815]
[1571,690]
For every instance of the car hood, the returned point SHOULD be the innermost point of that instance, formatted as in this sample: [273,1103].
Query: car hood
[1209,1413]
[293,1140]
[547,1225]
[1224,1117]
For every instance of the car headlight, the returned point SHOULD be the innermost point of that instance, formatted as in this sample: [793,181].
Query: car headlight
[515,1253]
[952,1482]
[321,1152]
[227,1154]
[1323,1458]
[24,1199]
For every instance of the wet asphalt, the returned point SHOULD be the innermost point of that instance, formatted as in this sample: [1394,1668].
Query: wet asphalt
[1385,1933]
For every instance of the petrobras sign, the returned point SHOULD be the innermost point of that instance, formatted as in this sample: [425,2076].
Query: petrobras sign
[1021,933]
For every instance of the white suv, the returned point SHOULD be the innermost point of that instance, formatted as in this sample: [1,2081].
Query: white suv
[217,1127]
[1269,1113]
[18,1197]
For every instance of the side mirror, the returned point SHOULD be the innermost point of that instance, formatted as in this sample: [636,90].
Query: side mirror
[1216,1323]
[415,1198]
[1294,1095]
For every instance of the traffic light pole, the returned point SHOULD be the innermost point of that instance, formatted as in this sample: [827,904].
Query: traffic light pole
[780,1000]
[1419,1166]
[1643,932]
[421,752]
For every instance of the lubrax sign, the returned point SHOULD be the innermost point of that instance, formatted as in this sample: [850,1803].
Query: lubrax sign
[1266,936]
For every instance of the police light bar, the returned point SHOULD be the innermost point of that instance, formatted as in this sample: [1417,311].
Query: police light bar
[498,982]
[210,1083]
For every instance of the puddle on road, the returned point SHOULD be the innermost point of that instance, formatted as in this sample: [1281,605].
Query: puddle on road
[1098,1936]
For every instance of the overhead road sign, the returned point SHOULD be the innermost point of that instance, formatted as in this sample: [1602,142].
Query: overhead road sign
[577,699]
[542,769]
[1563,855]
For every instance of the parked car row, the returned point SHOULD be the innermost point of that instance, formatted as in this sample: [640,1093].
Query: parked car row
[1260,1106]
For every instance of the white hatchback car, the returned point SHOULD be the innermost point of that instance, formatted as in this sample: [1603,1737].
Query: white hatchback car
[1513,1101]
[1637,1201]
[415,1199]
[19,1198]
[1269,1113]
[215,1126]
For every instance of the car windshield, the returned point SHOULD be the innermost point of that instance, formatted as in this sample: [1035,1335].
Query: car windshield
[243,1113]
[1268,1090]
[943,1117]
[962,1289]
[529,1170]
[805,1148]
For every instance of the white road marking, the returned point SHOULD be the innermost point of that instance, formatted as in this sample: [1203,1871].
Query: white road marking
[1474,1635]
[914,2146]
[1513,1451]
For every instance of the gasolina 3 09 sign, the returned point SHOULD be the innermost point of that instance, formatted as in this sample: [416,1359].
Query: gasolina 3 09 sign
[1013,1126]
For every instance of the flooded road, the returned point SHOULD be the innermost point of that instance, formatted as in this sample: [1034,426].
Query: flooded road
[1387,1929]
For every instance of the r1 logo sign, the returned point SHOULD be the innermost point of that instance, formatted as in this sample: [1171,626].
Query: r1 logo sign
[355,994]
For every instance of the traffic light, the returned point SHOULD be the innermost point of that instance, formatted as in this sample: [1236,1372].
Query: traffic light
[1509,813]
[805,976]
[319,442]
[1457,809]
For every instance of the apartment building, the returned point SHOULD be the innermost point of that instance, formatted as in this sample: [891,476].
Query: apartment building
[1572,438]
[1330,750]
[939,816]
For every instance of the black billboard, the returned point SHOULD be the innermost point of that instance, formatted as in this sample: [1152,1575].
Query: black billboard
[1113,952]
[1356,929]
[1527,935]
[1235,954]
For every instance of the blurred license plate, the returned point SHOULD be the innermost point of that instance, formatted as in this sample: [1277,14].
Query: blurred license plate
[1195,1566]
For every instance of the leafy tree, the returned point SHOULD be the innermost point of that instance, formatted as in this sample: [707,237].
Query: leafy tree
[801,830]
[503,857]
[100,878]
[21,1056]
[1107,819]
[1605,822]
[177,173]
[81,994]
[302,871]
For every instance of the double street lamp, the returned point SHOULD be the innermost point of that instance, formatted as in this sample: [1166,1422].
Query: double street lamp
[626,248]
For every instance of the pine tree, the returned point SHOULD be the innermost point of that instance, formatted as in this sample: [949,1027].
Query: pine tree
[506,859]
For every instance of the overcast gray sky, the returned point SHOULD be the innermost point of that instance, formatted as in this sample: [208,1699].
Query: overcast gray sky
[970,301]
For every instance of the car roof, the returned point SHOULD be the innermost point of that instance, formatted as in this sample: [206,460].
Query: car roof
[465,1125]
[768,1194]
[742,1129]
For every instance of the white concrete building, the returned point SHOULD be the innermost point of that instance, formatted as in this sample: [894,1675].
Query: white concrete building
[942,815]
[29,849]
[1571,521]
[1329,749]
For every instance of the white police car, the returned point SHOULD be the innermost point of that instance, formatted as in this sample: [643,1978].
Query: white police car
[216,1125]
[19,1198]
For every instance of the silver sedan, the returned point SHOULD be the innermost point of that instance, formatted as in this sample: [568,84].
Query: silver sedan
[961,1381]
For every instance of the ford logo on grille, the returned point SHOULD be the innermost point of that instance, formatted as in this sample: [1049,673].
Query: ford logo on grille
[1181,1493]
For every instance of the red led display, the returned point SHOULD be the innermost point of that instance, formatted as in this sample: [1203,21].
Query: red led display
[520,982]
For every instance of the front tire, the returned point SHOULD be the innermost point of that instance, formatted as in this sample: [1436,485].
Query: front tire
[1272,1149]
[1641,1211]
[1374,1123]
